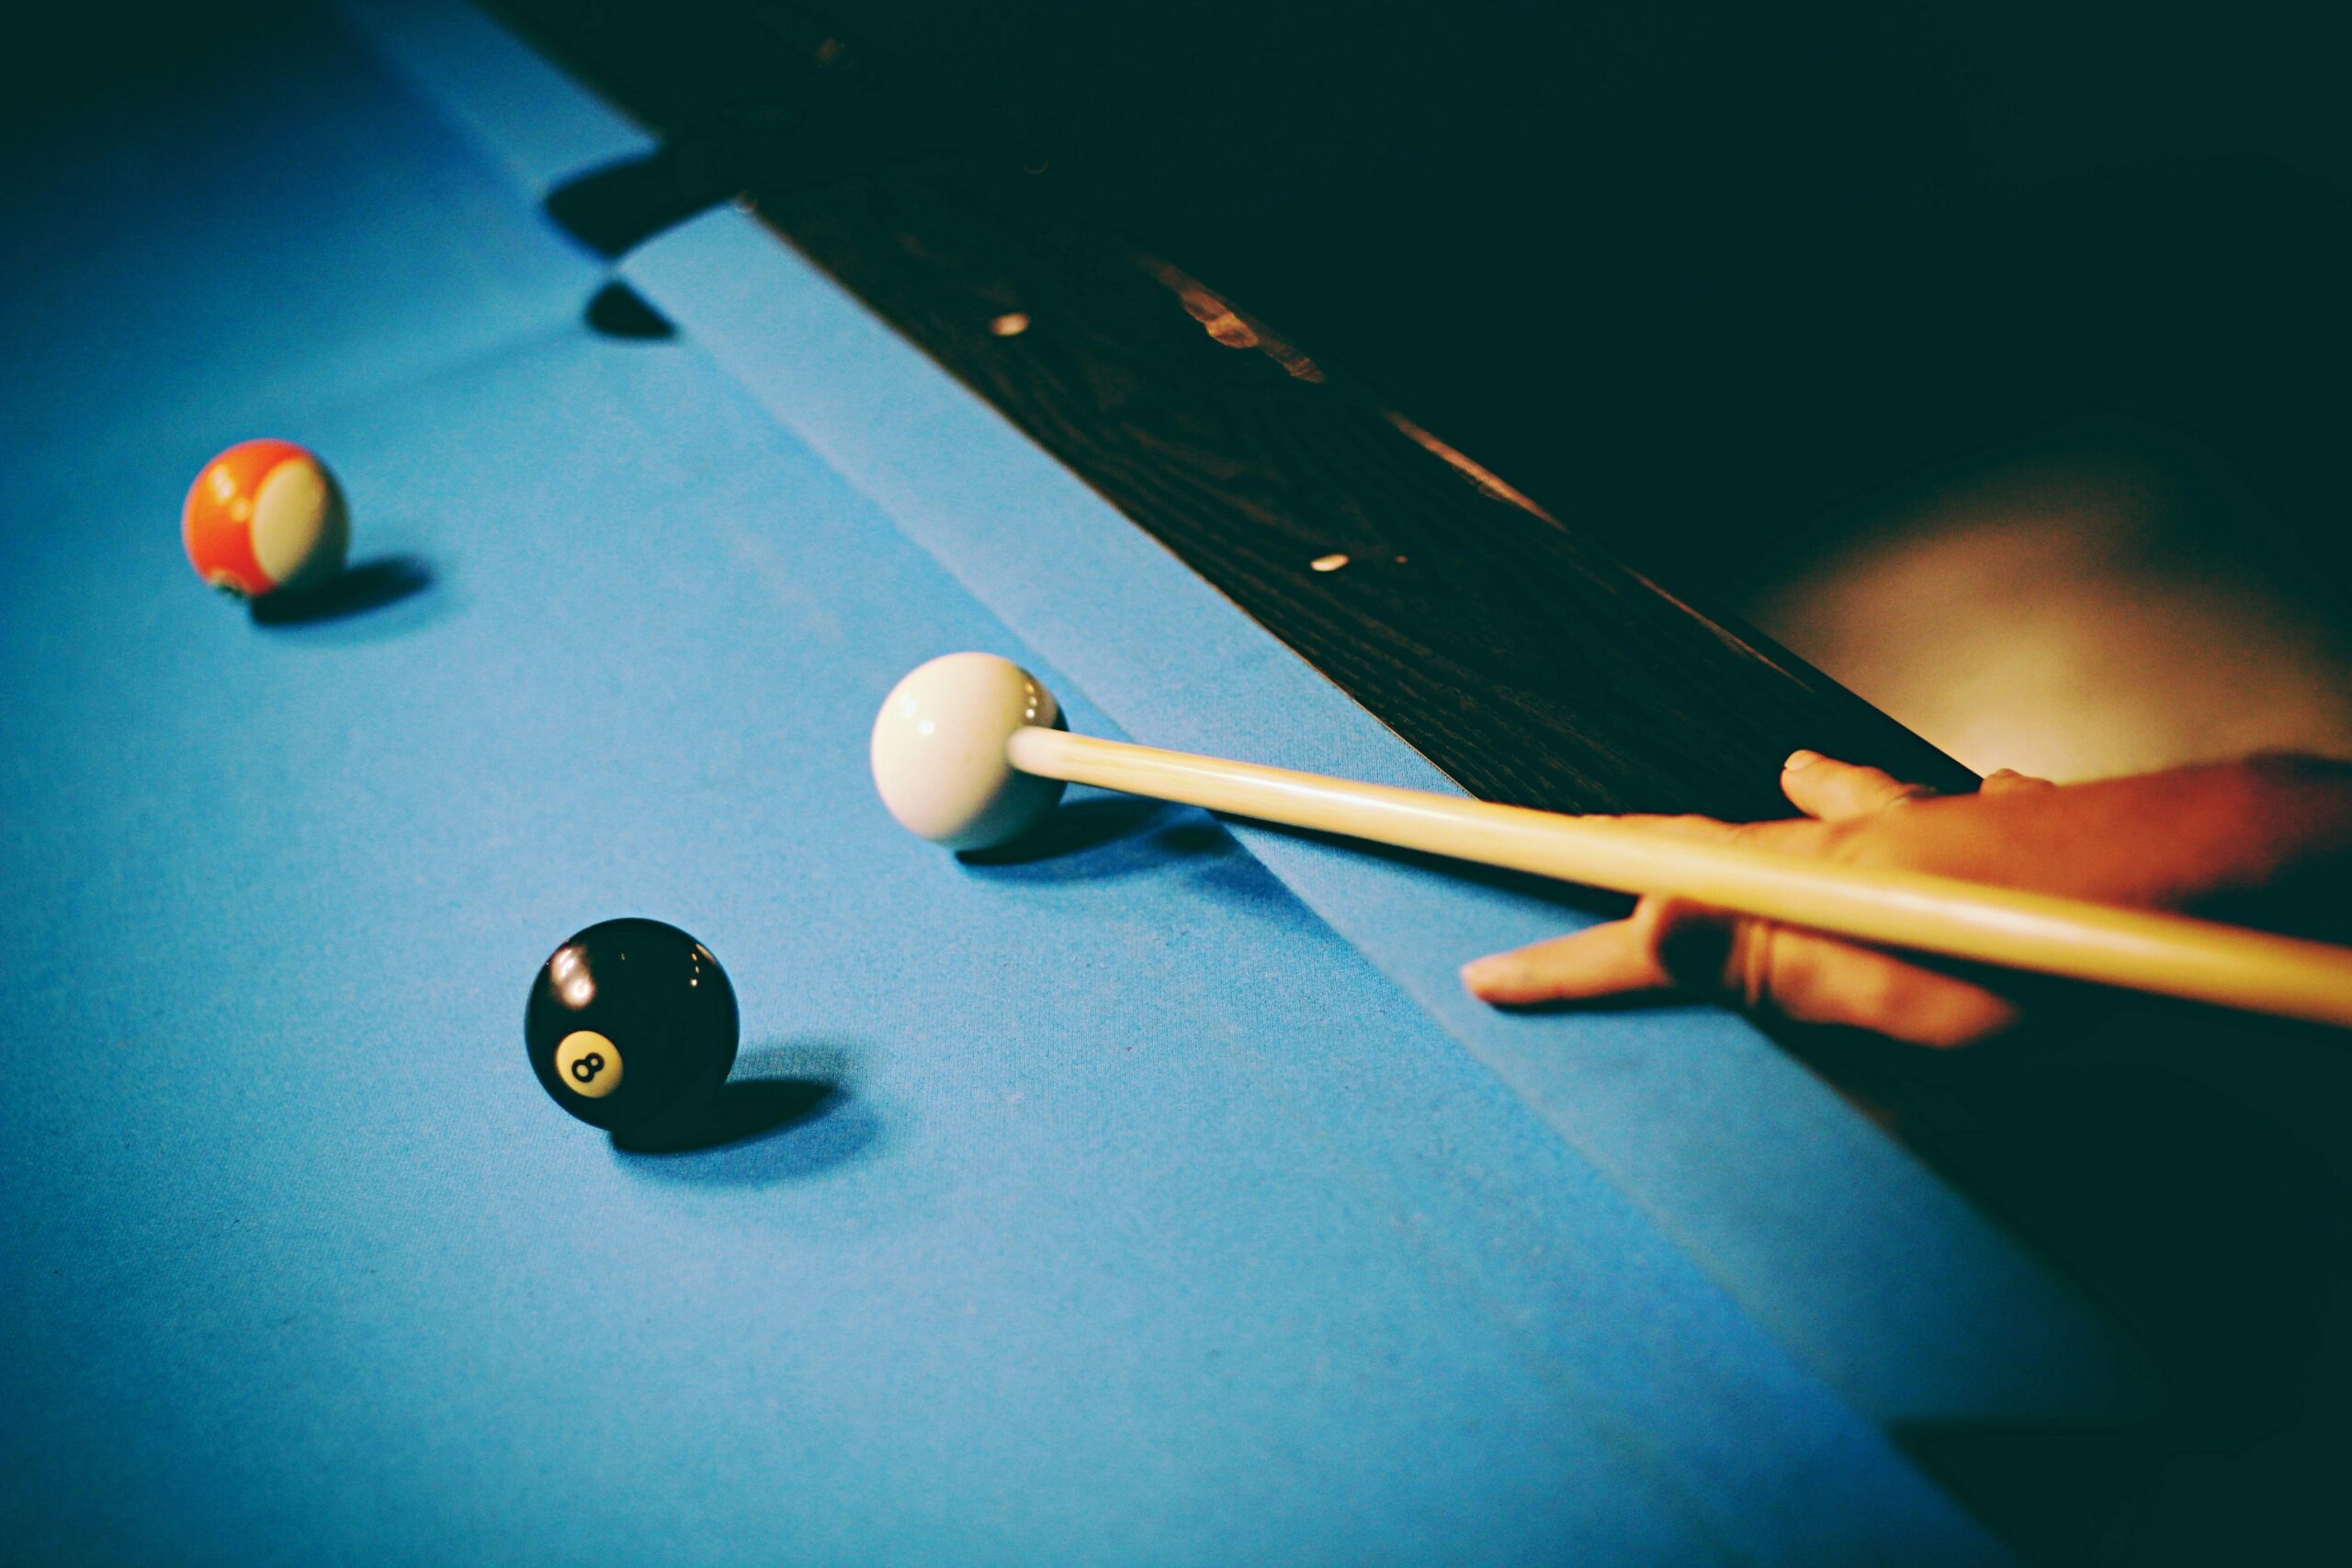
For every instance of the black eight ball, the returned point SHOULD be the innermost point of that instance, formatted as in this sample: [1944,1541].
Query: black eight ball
[627,1019]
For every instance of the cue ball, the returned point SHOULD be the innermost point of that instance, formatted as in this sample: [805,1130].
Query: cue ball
[939,757]
[628,1020]
[264,518]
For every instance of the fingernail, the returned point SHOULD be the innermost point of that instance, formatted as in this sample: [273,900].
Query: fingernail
[1800,759]
[2002,773]
[1476,970]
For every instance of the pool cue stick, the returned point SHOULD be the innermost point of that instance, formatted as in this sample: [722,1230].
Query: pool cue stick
[2138,950]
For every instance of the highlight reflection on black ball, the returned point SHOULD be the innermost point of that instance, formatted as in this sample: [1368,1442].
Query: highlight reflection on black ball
[627,1019]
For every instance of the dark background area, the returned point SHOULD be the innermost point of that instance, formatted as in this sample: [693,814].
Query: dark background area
[1689,274]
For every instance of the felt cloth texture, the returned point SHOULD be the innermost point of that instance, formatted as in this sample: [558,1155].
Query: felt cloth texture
[1150,1200]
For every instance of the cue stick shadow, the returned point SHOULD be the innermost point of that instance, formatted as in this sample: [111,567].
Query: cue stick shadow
[1109,837]
[375,583]
[1573,898]
[1597,902]
[1105,835]
[1096,836]
[738,1137]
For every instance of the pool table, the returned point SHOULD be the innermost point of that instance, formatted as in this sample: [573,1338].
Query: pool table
[1149,1194]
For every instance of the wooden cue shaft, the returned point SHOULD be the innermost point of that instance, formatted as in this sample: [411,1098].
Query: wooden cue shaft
[2169,954]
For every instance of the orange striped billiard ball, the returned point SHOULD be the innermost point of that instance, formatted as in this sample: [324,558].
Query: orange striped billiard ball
[264,517]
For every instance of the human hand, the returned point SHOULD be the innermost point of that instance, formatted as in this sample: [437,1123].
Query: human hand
[2258,840]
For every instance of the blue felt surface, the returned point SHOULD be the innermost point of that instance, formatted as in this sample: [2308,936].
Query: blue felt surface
[1149,1217]
[1890,1284]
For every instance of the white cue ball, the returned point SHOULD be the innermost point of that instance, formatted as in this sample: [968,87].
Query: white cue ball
[939,750]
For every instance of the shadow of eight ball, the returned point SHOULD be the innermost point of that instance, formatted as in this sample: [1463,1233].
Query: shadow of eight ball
[629,1021]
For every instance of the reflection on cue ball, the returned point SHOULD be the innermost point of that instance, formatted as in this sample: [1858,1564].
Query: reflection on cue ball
[586,1063]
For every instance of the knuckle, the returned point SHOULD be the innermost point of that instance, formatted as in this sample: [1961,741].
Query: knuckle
[1850,842]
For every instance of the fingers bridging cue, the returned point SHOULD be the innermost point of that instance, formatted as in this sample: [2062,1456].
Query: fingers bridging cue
[1833,791]
[1602,961]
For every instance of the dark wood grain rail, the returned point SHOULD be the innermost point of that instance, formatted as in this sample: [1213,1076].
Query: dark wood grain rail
[1509,646]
